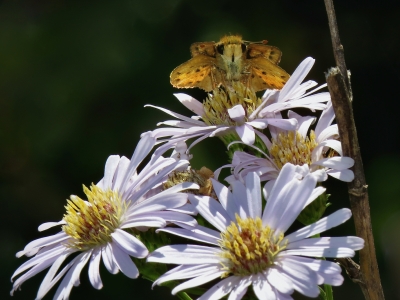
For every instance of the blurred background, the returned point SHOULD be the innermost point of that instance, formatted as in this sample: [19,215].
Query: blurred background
[75,75]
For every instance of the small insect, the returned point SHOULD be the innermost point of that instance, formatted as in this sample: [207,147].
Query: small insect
[231,59]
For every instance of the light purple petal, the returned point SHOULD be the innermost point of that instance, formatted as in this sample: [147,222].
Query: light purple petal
[337,162]
[48,225]
[285,124]
[304,280]
[124,262]
[297,77]
[186,255]
[253,195]
[280,282]
[237,113]
[221,289]
[325,119]
[199,280]
[333,220]
[352,242]
[246,134]
[129,244]
[212,211]
[42,242]
[94,272]
[51,278]
[106,253]
[344,175]
[72,277]
[188,271]
[226,198]
[109,171]
[191,103]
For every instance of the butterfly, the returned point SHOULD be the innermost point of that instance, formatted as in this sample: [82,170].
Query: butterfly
[231,59]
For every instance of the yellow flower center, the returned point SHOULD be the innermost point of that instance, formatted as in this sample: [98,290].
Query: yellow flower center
[249,247]
[292,148]
[216,105]
[90,223]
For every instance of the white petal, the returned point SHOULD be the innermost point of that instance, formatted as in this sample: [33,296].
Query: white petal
[344,175]
[94,273]
[304,280]
[129,244]
[160,202]
[263,290]
[240,289]
[327,270]
[191,103]
[258,123]
[331,132]
[253,195]
[51,278]
[72,277]
[186,255]
[142,149]
[337,162]
[321,252]
[333,220]
[325,119]
[109,171]
[143,220]
[188,271]
[246,134]
[198,233]
[280,282]
[297,77]
[197,281]
[212,211]
[42,242]
[221,289]
[119,175]
[315,194]
[352,242]
[124,262]
[226,198]
[237,113]
[106,253]
[48,225]
[42,260]
[285,124]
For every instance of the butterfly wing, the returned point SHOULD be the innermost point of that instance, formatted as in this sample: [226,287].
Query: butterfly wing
[205,48]
[270,52]
[198,72]
[264,74]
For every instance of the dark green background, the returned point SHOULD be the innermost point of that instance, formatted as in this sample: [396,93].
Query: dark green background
[75,75]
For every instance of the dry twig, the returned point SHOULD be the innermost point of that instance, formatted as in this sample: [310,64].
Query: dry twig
[338,80]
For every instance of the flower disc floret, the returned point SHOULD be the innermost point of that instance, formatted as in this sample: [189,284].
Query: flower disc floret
[91,223]
[249,246]
[292,147]
[216,105]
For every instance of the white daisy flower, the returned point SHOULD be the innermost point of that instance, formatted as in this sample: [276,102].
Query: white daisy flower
[249,246]
[320,149]
[94,229]
[239,110]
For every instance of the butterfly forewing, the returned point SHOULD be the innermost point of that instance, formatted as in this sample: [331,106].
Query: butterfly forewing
[270,52]
[205,48]
[197,72]
[264,74]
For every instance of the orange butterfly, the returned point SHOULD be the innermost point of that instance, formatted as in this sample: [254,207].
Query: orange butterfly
[231,59]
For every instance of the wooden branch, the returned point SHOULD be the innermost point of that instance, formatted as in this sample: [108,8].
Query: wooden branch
[339,86]
[358,195]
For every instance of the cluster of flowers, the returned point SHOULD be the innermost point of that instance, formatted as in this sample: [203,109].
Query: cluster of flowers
[277,166]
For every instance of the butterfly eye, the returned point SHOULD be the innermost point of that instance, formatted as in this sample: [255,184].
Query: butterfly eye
[220,49]
[244,47]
